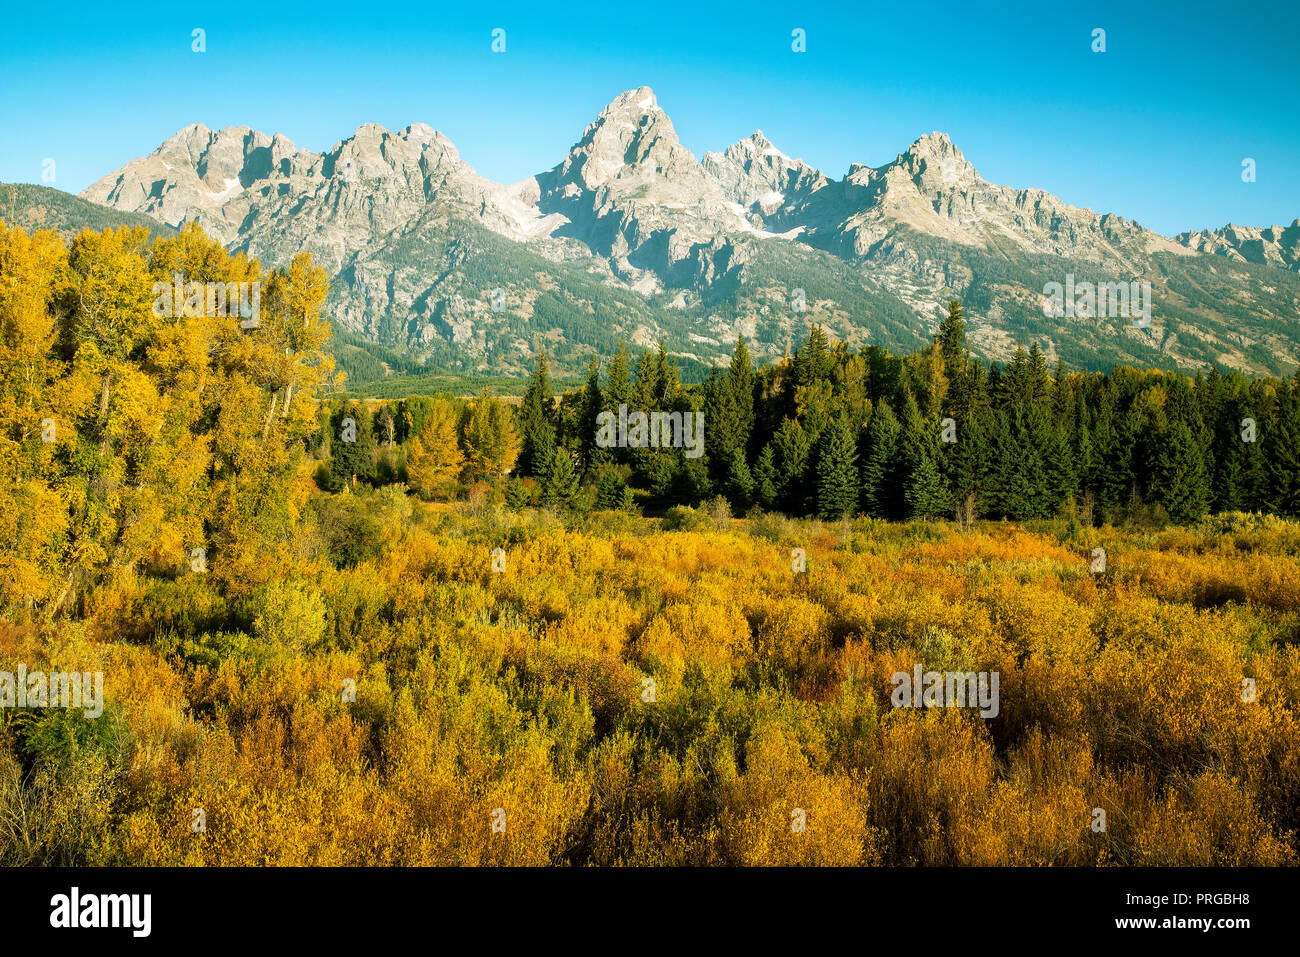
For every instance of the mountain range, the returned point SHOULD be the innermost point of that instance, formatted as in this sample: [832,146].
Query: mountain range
[632,236]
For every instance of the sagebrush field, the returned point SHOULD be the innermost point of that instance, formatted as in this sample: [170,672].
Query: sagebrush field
[523,690]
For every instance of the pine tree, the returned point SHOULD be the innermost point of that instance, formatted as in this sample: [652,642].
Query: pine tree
[560,483]
[740,383]
[880,492]
[837,472]
[352,449]
[765,480]
[740,482]
[537,429]
[1181,483]
[1282,452]
[793,449]
[609,491]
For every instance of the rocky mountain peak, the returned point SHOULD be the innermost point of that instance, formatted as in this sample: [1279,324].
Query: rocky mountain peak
[935,164]
[398,218]
[631,140]
[766,183]
[1273,245]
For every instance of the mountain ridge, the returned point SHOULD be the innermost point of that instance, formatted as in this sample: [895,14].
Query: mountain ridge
[630,209]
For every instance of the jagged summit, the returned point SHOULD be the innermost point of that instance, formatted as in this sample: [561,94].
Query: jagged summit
[401,222]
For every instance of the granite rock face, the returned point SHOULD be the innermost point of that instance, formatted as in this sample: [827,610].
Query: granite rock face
[631,232]
[1272,246]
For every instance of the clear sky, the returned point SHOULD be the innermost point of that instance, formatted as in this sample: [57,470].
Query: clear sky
[1154,129]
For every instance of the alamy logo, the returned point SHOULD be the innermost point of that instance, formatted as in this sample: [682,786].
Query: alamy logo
[209,300]
[658,430]
[946,689]
[57,689]
[132,911]
[1101,300]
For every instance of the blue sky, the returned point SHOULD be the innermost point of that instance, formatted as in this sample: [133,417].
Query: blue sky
[1154,129]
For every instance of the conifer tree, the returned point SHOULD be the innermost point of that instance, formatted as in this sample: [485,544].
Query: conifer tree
[1282,452]
[560,483]
[880,491]
[837,472]
[592,406]
[740,383]
[352,447]
[765,478]
[536,426]
[740,482]
[619,387]
[490,443]
[516,495]
[722,432]
[813,362]
[668,384]
[609,491]
[1181,484]
[951,339]
[793,450]
[926,495]
[646,392]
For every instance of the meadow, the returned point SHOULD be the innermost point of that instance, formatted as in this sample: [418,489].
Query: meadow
[619,693]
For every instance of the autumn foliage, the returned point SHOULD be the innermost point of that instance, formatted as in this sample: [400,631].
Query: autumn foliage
[353,677]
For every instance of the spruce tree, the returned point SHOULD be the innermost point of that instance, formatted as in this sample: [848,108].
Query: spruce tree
[646,391]
[740,383]
[1282,453]
[592,406]
[619,388]
[560,483]
[352,446]
[793,450]
[1013,491]
[740,481]
[926,495]
[667,380]
[765,478]
[516,495]
[813,362]
[609,491]
[537,430]
[722,432]
[628,501]
[951,340]
[1181,483]
[880,492]
[837,472]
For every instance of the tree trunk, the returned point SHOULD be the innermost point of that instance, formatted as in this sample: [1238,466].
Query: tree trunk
[266,429]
